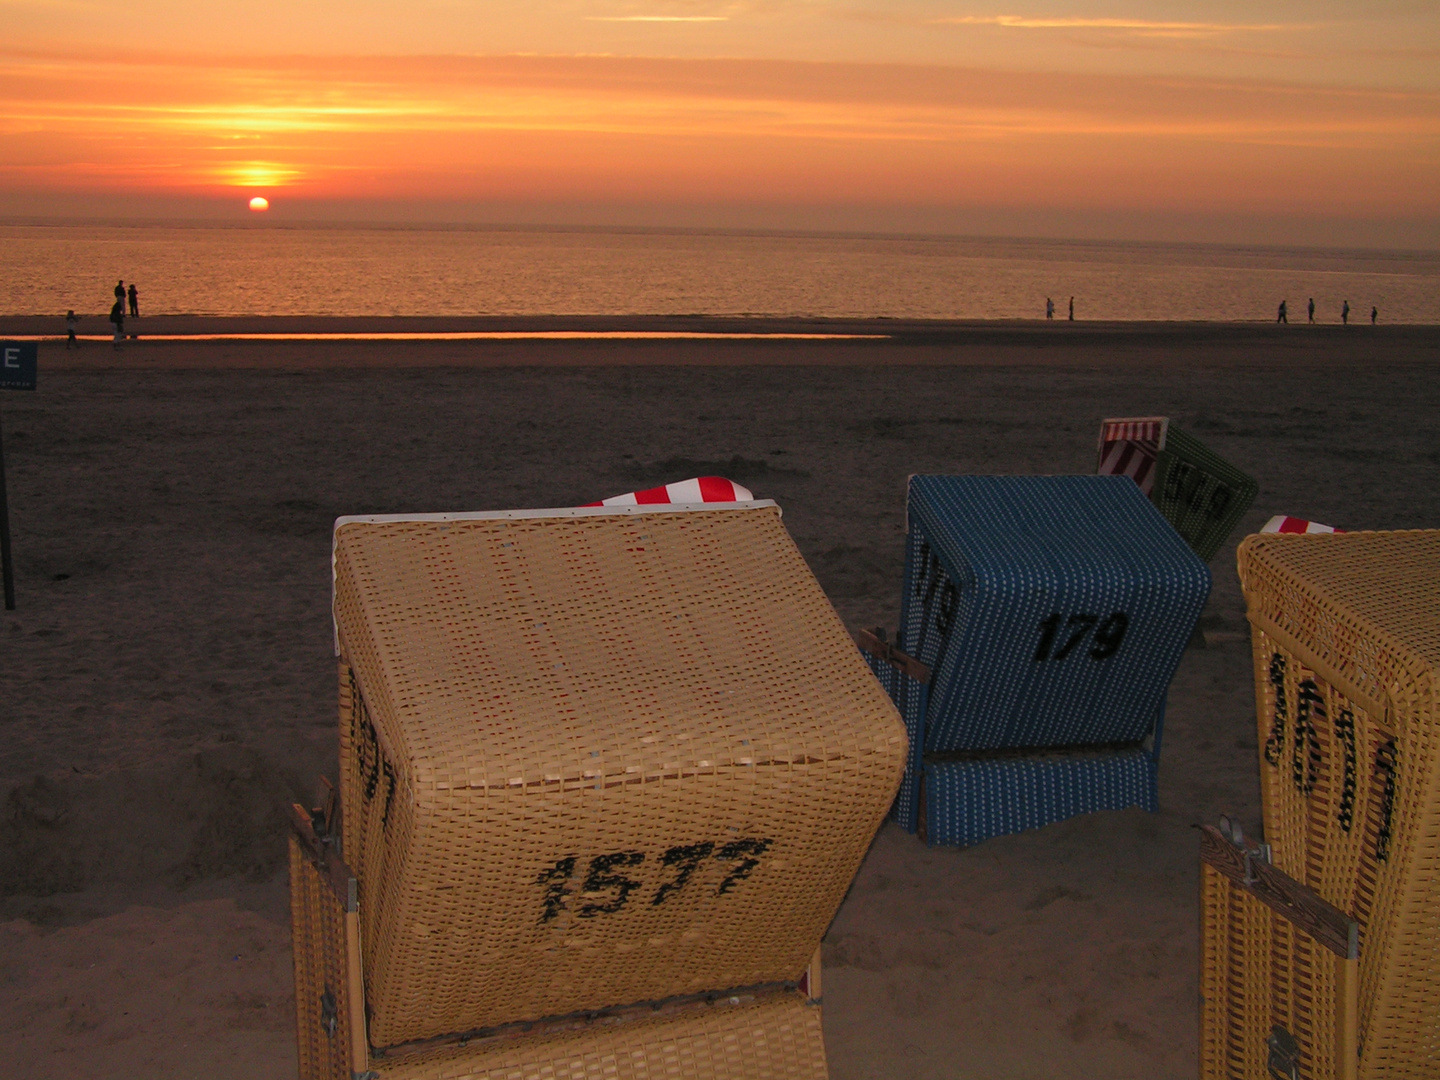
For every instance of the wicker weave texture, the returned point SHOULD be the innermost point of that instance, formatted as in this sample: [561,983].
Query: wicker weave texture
[1200,493]
[1053,610]
[911,698]
[317,932]
[970,801]
[596,760]
[773,1038]
[1346,645]
[1259,970]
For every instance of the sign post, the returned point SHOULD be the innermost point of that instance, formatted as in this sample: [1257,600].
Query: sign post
[18,365]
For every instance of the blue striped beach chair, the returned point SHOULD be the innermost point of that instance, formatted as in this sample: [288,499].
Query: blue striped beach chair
[1042,620]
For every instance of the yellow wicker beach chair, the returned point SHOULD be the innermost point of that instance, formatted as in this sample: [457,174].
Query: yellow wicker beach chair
[753,1032]
[1346,637]
[1278,971]
[617,764]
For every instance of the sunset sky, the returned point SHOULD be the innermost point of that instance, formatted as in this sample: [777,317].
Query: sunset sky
[1314,122]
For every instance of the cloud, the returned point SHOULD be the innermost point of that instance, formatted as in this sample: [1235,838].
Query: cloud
[658,18]
[597,127]
[1136,26]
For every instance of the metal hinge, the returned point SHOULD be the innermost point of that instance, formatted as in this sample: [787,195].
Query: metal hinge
[1284,1060]
[329,1014]
[1232,831]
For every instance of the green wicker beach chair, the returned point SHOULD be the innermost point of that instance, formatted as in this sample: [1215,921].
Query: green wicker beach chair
[1199,492]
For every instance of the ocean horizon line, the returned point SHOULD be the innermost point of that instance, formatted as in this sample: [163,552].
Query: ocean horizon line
[249,224]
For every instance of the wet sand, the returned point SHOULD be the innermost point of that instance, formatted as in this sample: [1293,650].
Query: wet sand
[167,682]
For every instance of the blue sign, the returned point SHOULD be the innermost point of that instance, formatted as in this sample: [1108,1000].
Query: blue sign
[18,364]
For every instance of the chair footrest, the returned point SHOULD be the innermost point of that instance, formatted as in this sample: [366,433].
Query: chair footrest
[970,801]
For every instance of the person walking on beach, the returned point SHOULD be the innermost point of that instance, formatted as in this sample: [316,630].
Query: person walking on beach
[1374,314]
[1049,308]
[71,321]
[120,293]
[1345,313]
[1072,309]
[1311,313]
[117,316]
[134,295]
[1281,316]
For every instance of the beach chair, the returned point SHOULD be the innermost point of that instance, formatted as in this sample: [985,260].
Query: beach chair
[1279,970]
[606,774]
[1201,494]
[1346,644]
[1044,617]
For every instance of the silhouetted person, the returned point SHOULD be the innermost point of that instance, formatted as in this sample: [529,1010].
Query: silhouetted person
[1281,315]
[134,295]
[1311,313]
[1049,308]
[120,293]
[1345,313]
[1072,309]
[117,316]
[1374,314]
[71,321]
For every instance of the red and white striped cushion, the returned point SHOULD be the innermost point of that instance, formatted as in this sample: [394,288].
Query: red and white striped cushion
[700,489]
[1129,447]
[1283,524]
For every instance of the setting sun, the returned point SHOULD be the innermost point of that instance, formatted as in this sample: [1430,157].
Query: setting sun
[259,203]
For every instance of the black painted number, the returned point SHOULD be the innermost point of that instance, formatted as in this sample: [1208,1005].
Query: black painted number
[747,854]
[1069,634]
[686,859]
[1109,635]
[604,891]
[601,880]
[1185,484]
[554,879]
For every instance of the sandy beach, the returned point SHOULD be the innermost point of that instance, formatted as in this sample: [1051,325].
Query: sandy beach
[167,683]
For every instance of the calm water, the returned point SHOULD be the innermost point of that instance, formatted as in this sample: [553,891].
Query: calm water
[397,271]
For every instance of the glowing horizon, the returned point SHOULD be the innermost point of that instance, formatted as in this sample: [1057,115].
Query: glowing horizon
[1181,111]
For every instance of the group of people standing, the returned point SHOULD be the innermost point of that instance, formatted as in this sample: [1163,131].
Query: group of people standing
[1283,315]
[117,313]
[123,296]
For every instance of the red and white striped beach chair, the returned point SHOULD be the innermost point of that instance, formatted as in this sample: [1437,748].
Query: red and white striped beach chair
[1131,446]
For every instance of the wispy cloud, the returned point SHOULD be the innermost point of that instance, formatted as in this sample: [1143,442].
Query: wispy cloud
[468,126]
[658,18]
[1136,26]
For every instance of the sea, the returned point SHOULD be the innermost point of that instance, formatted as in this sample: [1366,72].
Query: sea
[208,269]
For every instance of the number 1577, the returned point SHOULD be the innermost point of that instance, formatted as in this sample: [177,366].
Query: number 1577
[1059,636]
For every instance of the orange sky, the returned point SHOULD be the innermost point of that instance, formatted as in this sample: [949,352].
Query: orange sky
[919,115]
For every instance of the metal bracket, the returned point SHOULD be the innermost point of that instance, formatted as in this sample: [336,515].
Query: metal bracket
[329,1014]
[1284,1060]
[876,645]
[1232,831]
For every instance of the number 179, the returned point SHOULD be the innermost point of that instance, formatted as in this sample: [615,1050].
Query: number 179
[1063,635]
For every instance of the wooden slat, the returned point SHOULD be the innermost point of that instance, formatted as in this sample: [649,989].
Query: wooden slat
[1347,1024]
[339,876]
[883,650]
[1303,906]
[355,996]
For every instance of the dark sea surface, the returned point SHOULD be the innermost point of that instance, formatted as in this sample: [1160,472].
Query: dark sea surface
[218,270]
